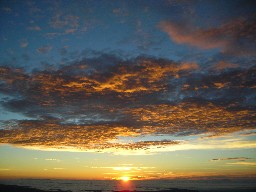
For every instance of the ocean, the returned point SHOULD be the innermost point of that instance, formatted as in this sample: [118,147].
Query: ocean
[227,185]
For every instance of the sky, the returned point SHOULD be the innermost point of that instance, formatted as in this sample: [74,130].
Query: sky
[127,89]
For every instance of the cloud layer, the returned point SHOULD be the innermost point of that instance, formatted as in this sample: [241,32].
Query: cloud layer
[232,158]
[89,104]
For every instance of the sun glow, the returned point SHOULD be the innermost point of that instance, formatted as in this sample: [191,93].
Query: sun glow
[125,178]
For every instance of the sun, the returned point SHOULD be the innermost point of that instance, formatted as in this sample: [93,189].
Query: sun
[125,178]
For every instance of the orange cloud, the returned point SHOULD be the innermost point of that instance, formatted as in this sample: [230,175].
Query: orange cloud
[222,65]
[84,106]
[234,37]
[147,76]
[192,118]
[51,134]
[204,39]
[183,119]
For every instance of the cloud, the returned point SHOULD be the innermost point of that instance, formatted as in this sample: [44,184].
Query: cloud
[222,65]
[56,34]
[124,168]
[23,43]
[244,163]
[232,158]
[44,49]
[61,21]
[183,35]
[142,145]
[34,28]
[52,35]
[53,135]
[86,106]
[235,37]
[70,31]
[51,159]
[248,134]
[5,169]
[190,118]
[6,9]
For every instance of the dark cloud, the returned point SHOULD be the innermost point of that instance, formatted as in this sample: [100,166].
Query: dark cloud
[235,37]
[92,102]
[249,134]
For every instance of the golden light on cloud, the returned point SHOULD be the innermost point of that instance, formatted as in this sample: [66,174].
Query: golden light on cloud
[128,94]
[81,111]
[122,168]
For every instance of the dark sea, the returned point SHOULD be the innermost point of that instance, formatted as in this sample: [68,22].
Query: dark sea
[227,185]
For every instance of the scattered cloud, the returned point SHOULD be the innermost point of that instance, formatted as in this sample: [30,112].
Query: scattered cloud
[52,35]
[34,10]
[61,21]
[51,159]
[68,23]
[70,31]
[34,28]
[23,43]
[44,49]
